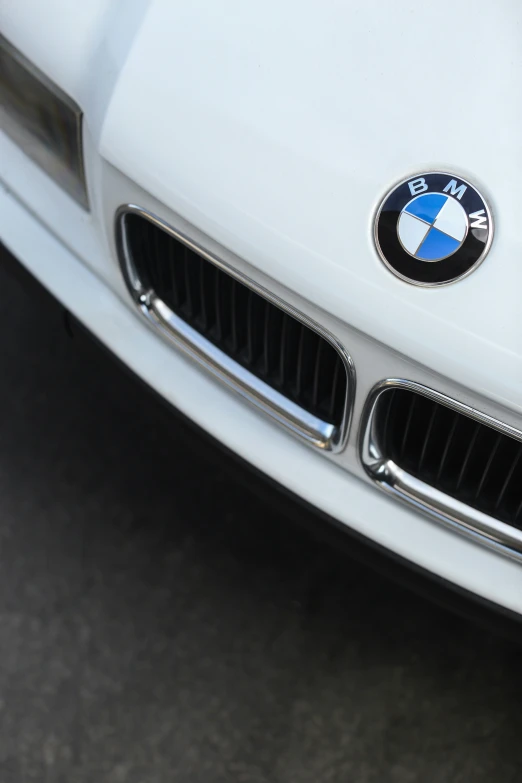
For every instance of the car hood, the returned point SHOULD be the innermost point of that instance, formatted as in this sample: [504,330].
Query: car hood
[277,128]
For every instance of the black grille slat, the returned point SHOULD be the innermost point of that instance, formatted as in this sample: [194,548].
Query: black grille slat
[426,441]
[317,374]
[335,389]
[281,379]
[454,453]
[189,301]
[233,317]
[301,358]
[173,285]
[507,482]
[203,297]
[218,328]
[447,447]
[266,341]
[407,427]
[255,329]
[157,253]
[467,458]
[385,419]
[518,512]
[489,463]
[273,345]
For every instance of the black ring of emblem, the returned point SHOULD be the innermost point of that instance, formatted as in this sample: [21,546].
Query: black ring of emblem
[431,273]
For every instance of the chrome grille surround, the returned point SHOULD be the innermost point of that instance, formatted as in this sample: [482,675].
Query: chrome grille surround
[444,508]
[295,419]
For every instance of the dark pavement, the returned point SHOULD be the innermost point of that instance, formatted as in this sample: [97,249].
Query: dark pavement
[159,623]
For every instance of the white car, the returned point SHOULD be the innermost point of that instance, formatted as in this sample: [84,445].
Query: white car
[280,216]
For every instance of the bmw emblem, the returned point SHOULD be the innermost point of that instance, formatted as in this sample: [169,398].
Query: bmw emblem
[433,229]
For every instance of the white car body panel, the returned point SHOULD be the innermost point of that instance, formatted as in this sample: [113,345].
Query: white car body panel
[271,133]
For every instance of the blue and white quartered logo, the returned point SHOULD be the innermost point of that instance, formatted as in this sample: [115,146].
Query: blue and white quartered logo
[435,219]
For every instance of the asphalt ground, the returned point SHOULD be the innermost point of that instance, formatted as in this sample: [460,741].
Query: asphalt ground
[158,622]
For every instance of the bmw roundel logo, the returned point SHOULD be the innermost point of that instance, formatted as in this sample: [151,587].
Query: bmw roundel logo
[433,228]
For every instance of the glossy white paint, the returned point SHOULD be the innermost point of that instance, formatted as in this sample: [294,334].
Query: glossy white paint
[274,131]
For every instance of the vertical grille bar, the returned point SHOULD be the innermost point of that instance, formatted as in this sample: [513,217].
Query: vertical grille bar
[317,374]
[507,482]
[469,451]
[250,328]
[447,446]
[217,308]
[486,470]
[233,303]
[189,302]
[300,362]
[266,340]
[404,439]
[335,389]
[426,441]
[282,354]
[203,295]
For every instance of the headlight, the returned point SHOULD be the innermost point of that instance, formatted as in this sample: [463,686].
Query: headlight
[42,120]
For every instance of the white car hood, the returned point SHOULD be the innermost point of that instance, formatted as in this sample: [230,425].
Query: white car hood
[277,128]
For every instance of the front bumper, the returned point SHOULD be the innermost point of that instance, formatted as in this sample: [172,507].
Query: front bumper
[290,508]
[339,489]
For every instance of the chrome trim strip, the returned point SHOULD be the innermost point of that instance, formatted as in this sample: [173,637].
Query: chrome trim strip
[295,419]
[441,507]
